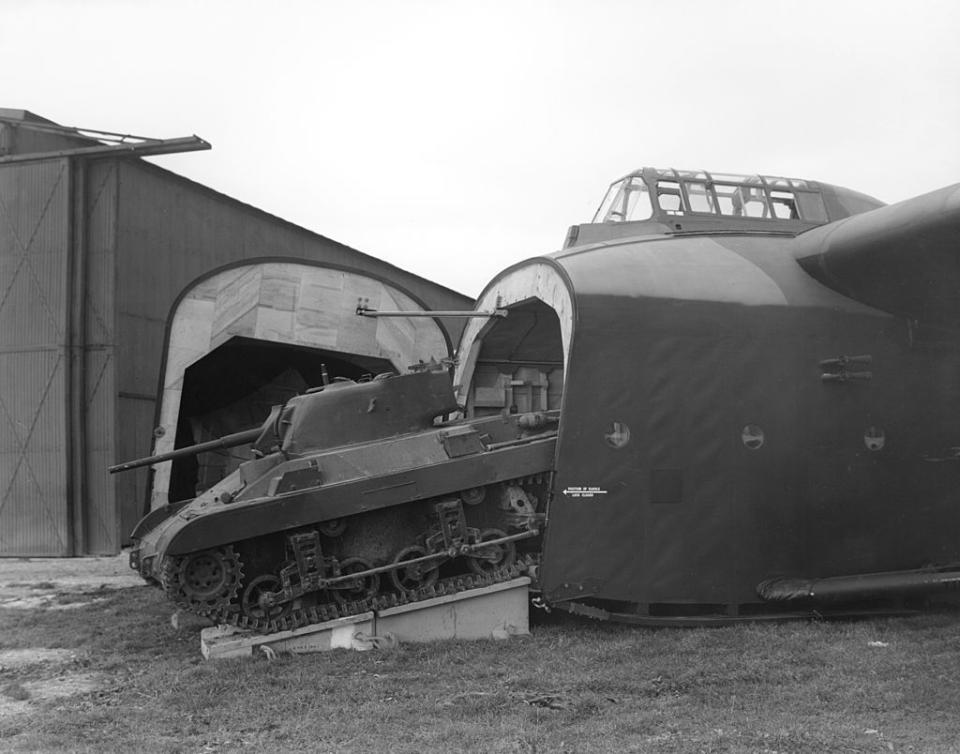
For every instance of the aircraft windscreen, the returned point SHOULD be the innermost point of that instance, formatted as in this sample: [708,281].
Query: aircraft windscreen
[627,200]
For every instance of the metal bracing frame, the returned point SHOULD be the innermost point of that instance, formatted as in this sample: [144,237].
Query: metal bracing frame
[116,143]
[163,146]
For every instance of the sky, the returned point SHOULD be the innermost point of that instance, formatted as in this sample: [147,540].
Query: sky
[454,139]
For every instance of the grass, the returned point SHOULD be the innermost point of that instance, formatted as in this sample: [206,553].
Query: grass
[573,686]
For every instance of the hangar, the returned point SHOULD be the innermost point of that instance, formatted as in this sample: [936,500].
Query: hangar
[141,310]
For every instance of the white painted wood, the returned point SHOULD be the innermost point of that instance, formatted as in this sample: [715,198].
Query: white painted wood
[498,611]
[535,279]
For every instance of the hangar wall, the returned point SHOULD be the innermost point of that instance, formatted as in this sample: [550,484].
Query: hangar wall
[94,251]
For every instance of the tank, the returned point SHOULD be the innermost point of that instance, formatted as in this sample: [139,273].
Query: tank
[362,495]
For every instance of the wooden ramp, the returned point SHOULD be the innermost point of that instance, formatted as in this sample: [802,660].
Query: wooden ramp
[492,612]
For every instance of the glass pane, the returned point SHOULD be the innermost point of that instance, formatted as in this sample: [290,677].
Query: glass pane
[811,207]
[700,198]
[625,201]
[729,178]
[725,200]
[668,196]
[605,205]
[639,206]
[784,205]
[774,182]
[753,202]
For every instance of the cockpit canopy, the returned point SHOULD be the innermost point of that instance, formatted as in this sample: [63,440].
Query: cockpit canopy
[650,193]
[654,201]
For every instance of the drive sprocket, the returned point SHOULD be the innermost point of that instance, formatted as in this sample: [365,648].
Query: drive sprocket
[203,582]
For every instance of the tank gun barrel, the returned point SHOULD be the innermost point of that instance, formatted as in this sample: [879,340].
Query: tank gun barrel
[227,441]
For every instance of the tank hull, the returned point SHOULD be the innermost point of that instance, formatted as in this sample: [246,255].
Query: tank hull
[295,537]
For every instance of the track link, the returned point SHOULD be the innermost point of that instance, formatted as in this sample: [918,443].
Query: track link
[300,617]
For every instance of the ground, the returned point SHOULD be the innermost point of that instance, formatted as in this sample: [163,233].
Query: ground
[91,662]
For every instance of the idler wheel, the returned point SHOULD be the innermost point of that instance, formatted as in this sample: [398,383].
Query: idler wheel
[409,578]
[488,559]
[361,588]
[250,602]
[211,578]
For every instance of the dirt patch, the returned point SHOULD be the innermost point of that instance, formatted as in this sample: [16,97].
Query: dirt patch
[45,583]
[19,695]
[73,574]
[47,601]
[20,658]
[66,685]
[22,697]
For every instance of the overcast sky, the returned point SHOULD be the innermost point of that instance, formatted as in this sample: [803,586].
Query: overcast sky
[456,138]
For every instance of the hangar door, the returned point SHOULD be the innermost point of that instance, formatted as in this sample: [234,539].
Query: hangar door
[34,359]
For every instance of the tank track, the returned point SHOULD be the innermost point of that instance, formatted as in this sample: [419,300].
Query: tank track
[208,584]
[300,617]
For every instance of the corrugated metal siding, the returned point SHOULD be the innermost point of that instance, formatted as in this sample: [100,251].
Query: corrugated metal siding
[135,438]
[102,521]
[34,224]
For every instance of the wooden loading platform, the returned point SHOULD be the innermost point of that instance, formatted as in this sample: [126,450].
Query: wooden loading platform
[497,611]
